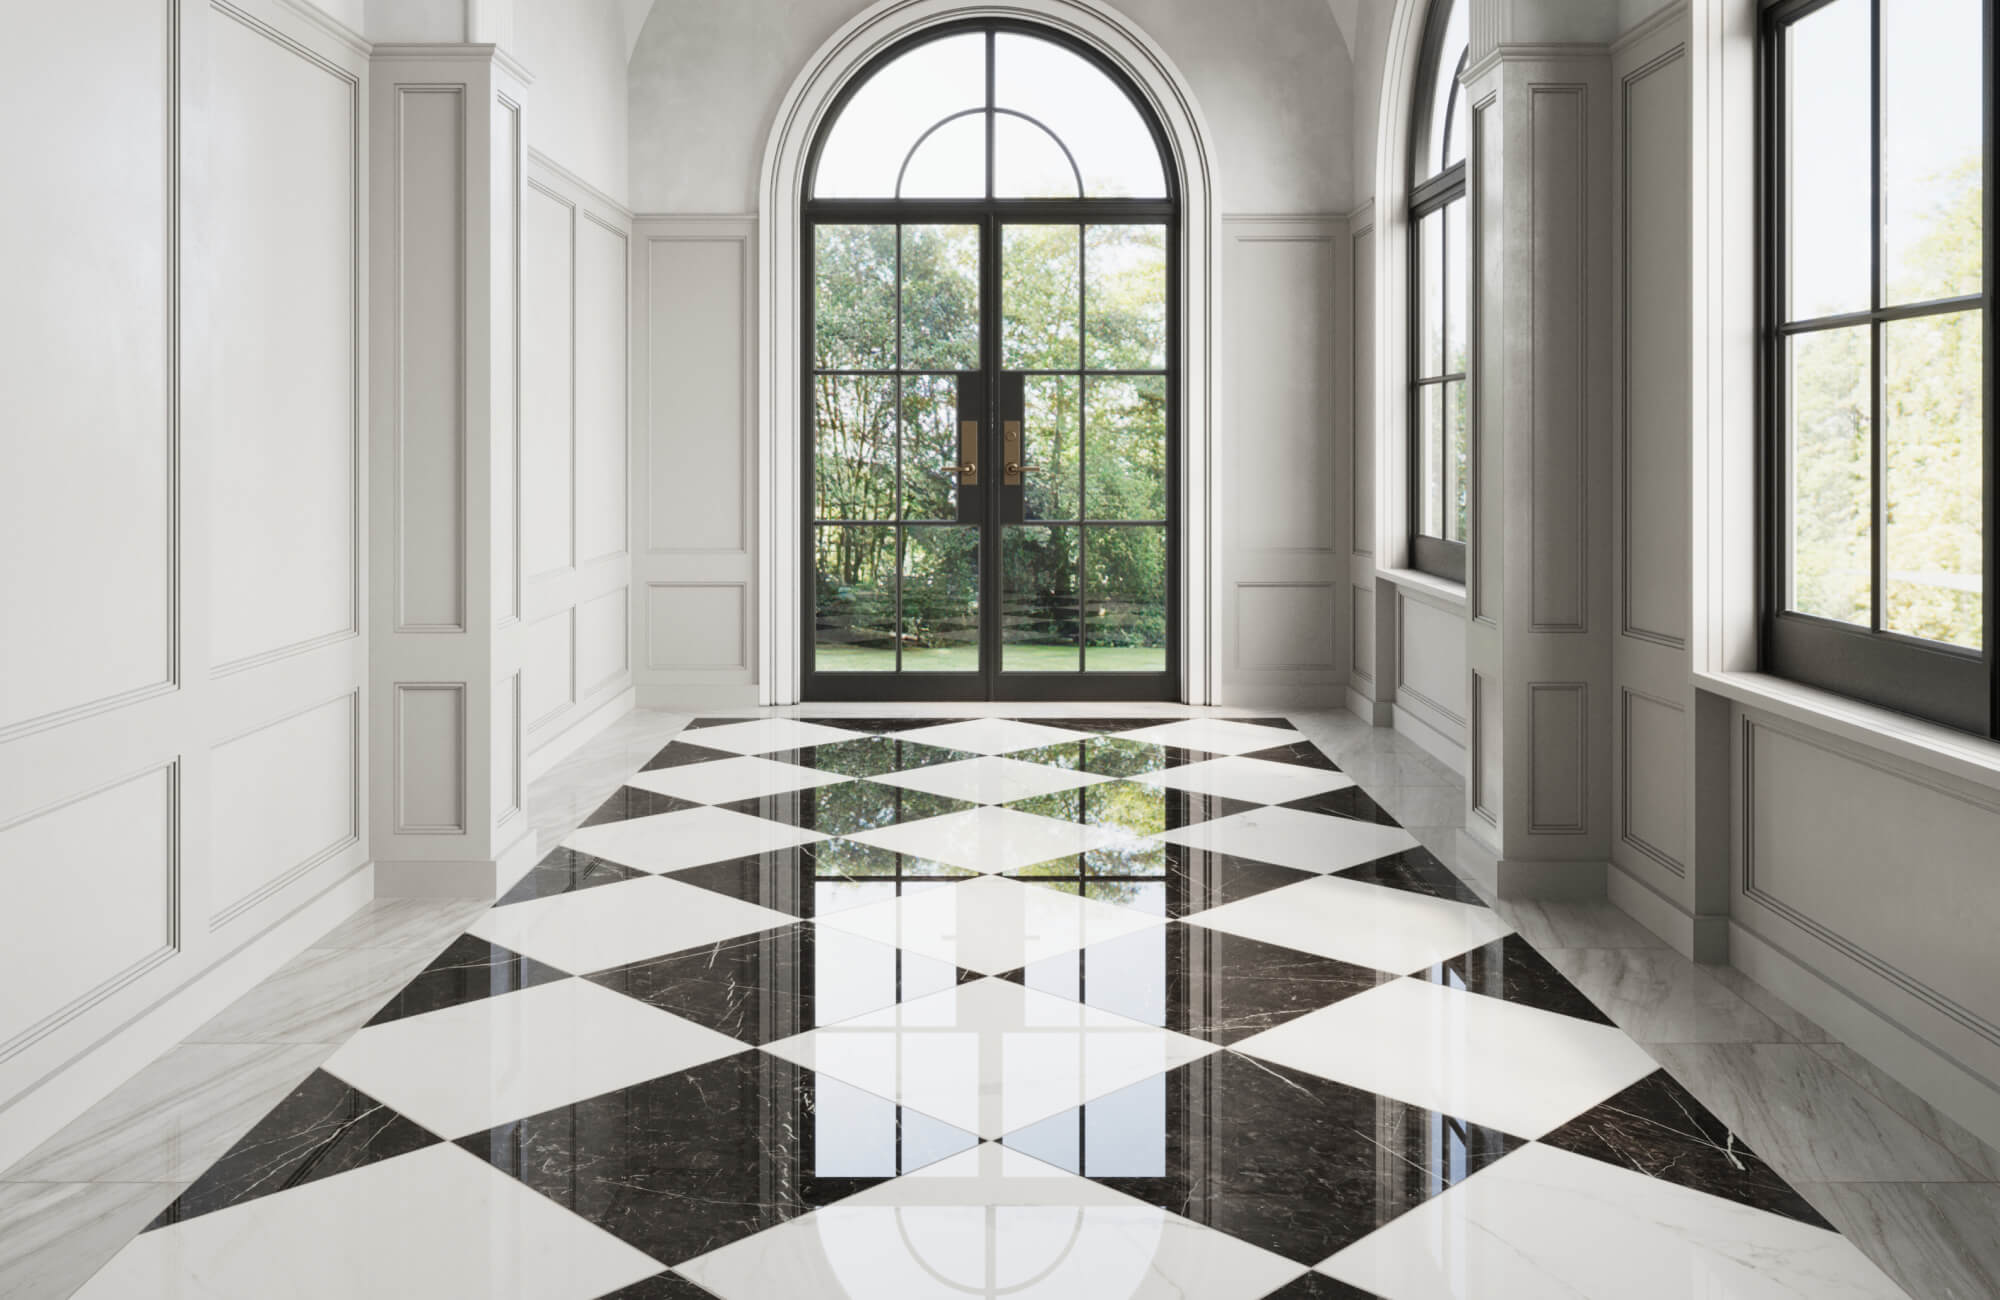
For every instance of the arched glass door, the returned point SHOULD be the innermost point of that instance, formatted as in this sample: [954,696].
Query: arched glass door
[990,435]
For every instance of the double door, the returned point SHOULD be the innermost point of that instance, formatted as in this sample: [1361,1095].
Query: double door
[990,452]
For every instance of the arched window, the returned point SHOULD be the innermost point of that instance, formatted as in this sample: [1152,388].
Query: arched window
[990,234]
[1440,305]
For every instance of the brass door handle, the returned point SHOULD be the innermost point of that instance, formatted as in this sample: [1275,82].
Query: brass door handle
[1015,469]
[967,468]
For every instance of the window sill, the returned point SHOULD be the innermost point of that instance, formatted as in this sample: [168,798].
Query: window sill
[1927,744]
[1441,591]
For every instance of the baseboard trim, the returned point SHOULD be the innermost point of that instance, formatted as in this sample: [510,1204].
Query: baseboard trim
[1954,1089]
[1428,738]
[458,878]
[1702,939]
[577,734]
[1528,881]
[677,698]
[66,1092]
[1374,712]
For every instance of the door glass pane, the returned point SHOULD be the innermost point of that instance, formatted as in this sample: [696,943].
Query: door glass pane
[941,297]
[950,163]
[1028,162]
[1457,303]
[854,297]
[1932,149]
[1827,95]
[1125,448]
[1456,460]
[1831,456]
[930,446]
[1932,412]
[854,599]
[940,625]
[1125,296]
[1039,279]
[1039,612]
[1125,600]
[854,446]
[1430,442]
[1430,296]
[1054,410]
[876,128]
[1085,109]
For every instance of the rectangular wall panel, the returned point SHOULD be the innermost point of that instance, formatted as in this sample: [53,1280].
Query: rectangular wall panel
[98,876]
[601,359]
[1488,753]
[548,670]
[506,286]
[1363,486]
[430,749]
[282,799]
[548,381]
[1284,625]
[1281,393]
[1559,576]
[1364,633]
[507,763]
[430,414]
[1487,554]
[1653,772]
[696,424]
[1558,757]
[601,629]
[696,626]
[1430,651]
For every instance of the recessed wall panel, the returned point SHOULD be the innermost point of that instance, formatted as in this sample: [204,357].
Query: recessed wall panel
[548,670]
[1558,757]
[696,626]
[1430,650]
[1364,633]
[1279,462]
[430,756]
[1487,553]
[696,424]
[600,642]
[1560,511]
[281,799]
[1284,625]
[601,351]
[1653,777]
[548,382]
[507,367]
[1365,402]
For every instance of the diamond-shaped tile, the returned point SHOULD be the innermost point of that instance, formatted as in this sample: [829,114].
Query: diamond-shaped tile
[470,969]
[600,928]
[849,808]
[1134,807]
[1202,879]
[1253,780]
[685,839]
[1383,929]
[990,924]
[680,753]
[820,879]
[868,755]
[990,1056]
[1301,753]
[991,735]
[989,839]
[1292,838]
[990,779]
[564,871]
[1216,735]
[1511,970]
[1350,801]
[1417,870]
[1115,756]
[764,735]
[729,779]
[630,801]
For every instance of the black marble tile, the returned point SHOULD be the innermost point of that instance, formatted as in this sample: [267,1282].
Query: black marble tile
[1203,878]
[324,1127]
[820,878]
[680,753]
[1220,988]
[1103,726]
[1318,1286]
[630,802]
[1137,807]
[1111,756]
[1509,969]
[1299,753]
[870,755]
[469,970]
[1657,1128]
[564,871]
[661,1286]
[690,1162]
[849,808]
[761,987]
[1351,803]
[1293,1163]
[1417,871]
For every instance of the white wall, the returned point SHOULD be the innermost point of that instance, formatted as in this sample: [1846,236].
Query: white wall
[576,50]
[183,669]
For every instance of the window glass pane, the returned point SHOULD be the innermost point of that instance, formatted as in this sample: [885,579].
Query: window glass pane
[1932,149]
[1039,283]
[1933,416]
[854,446]
[950,163]
[1430,443]
[1125,297]
[1049,439]
[855,600]
[1028,162]
[1085,109]
[1831,458]
[854,297]
[1442,76]
[1039,613]
[941,297]
[1430,296]
[1125,448]
[1454,119]
[1456,460]
[1827,109]
[940,623]
[930,446]
[1125,600]
[867,143]
[1457,304]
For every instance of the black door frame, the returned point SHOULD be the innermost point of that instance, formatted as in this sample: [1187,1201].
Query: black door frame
[991,216]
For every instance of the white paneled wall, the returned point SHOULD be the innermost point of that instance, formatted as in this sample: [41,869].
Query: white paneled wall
[183,671]
[575,487]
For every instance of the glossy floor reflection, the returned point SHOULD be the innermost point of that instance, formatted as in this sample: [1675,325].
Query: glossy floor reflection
[1090,1008]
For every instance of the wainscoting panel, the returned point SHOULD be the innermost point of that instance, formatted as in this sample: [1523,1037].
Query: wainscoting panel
[1560,574]
[1430,662]
[282,799]
[602,634]
[548,380]
[601,390]
[548,670]
[430,750]
[695,626]
[1558,758]
[1652,770]
[1361,485]
[1363,622]
[1288,626]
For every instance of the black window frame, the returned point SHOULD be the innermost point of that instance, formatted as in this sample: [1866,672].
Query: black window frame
[1431,191]
[1954,686]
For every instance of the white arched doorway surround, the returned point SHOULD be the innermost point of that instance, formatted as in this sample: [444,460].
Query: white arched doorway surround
[780,194]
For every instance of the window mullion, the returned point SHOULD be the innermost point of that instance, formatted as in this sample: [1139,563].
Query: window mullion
[1877,333]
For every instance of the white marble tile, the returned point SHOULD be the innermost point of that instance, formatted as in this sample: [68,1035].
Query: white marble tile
[1291,838]
[1391,930]
[991,779]
[1512,1067]
[690,838]
[1256,780]
[766,735]
[728,779]
[990,924]
[320,996]
[1795,1023]
[466,1068]
[991,1222]
[423,923]
[1215,735]
[1936,1239]
[1658,996]
[437,1223]
[1808,1120]
[990,1056]
[53,1236]
[1543,1223]
[1422,807]
[990,839]
[1576,925]
[174,1118]
[1976,1155]
[611,925]
[992,735]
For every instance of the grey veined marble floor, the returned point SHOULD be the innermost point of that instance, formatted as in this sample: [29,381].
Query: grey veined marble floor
[1003,1002]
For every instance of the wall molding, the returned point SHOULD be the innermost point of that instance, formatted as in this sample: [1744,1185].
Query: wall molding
[399,747]
[1626,834]
[1549,611]
[538,159]
[230,911]
[1537,823]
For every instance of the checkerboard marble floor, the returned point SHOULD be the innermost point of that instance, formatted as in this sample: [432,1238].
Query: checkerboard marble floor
[1053,1008]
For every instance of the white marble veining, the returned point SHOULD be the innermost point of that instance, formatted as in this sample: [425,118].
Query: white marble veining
[427,924]
[989,925]
[321,996]
[53,1236]
[1941,1241]
[1576,925]
[596,929]
[1796,1024]
[570,791]
[1981,1159]
[1658,996]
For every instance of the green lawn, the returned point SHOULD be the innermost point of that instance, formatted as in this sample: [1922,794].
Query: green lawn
[1014,658]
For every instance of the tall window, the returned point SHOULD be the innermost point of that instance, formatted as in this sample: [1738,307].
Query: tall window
[1439,302]
[1877,352]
